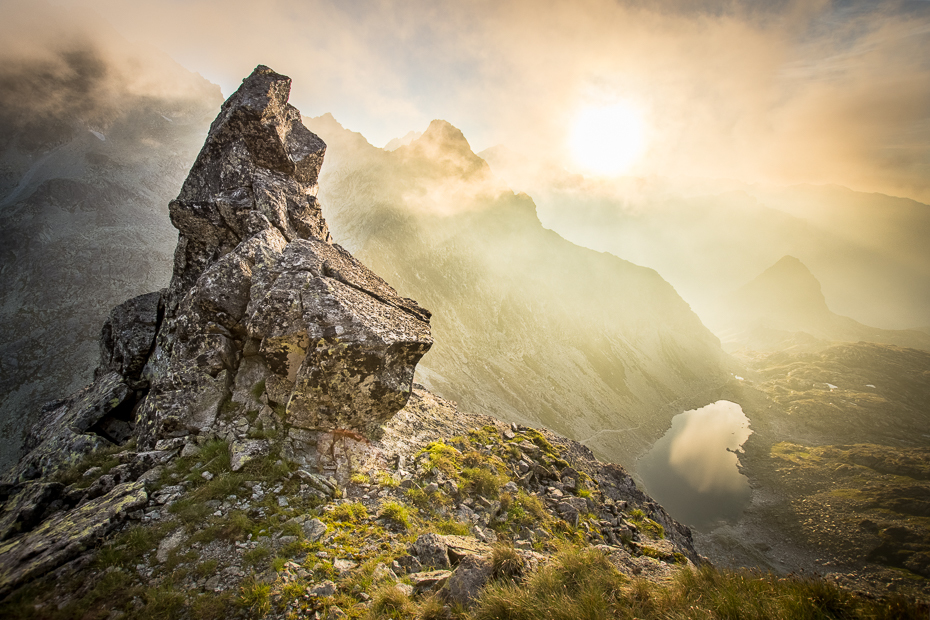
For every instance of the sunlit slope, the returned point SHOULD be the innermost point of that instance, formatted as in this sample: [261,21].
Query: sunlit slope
[528,326]
[785,306]
[88,163]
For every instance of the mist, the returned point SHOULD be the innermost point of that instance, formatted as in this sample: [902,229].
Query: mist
[789,92]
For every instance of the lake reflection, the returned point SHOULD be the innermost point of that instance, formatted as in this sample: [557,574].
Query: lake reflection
[690,470]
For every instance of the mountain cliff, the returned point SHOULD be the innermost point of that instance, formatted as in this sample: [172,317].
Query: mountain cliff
[530,327]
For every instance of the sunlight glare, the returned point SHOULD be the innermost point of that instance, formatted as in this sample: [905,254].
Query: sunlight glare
[608,140]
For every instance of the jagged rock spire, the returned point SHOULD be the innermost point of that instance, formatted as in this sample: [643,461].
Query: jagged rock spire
[261,300]
[264,316]
[257,170]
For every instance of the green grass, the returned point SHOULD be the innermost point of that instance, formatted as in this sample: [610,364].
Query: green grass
[103,458]
[506,562]
[257,556]
[396,512]
[255,596]
[350,513]
[385,479]
[441,457]
[389,602]
[484,481]
[451,526]
[581,583]
[646,525]
[163,603]
[258,389]
[524,510]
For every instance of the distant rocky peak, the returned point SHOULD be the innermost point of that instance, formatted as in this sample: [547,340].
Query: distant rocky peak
[444,147]
[786,295]
[396,143]
[440,131]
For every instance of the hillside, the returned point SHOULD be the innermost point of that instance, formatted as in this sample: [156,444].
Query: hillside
[530,328]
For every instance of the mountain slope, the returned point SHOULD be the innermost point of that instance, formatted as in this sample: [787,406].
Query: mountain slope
[529,327]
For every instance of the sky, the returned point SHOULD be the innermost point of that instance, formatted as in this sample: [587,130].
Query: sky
[761,91]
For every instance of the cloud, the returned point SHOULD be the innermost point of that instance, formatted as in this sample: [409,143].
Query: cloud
[787,91]
[60,68]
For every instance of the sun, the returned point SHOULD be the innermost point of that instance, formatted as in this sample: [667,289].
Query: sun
[608,140]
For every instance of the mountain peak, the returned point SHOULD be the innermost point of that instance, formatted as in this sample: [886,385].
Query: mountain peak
[443,136]
[788,262]
[444,144]
[787,288]
[396,143]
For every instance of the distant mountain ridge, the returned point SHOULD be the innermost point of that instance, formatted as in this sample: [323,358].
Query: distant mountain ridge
[708,236]
[786,300]
[528,326]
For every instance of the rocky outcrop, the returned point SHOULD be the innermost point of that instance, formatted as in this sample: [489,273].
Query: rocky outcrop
[128,335]
[95,417]
[66,534]
[265,320]
[264,314]
[263,311]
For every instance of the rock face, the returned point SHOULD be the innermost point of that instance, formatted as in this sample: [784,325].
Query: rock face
[261,301]
[95,417]
[264,315]
[66,534]
[128,335]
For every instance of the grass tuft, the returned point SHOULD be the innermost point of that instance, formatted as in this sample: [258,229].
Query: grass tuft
[353,512]
[396,512]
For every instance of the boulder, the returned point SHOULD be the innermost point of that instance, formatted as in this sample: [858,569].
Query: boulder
[431,550]
[241,452]
[75,426]
[128,335]
[25,509]
[459,547]
[314,529]
[466,582]
[430,580]
[65,535]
